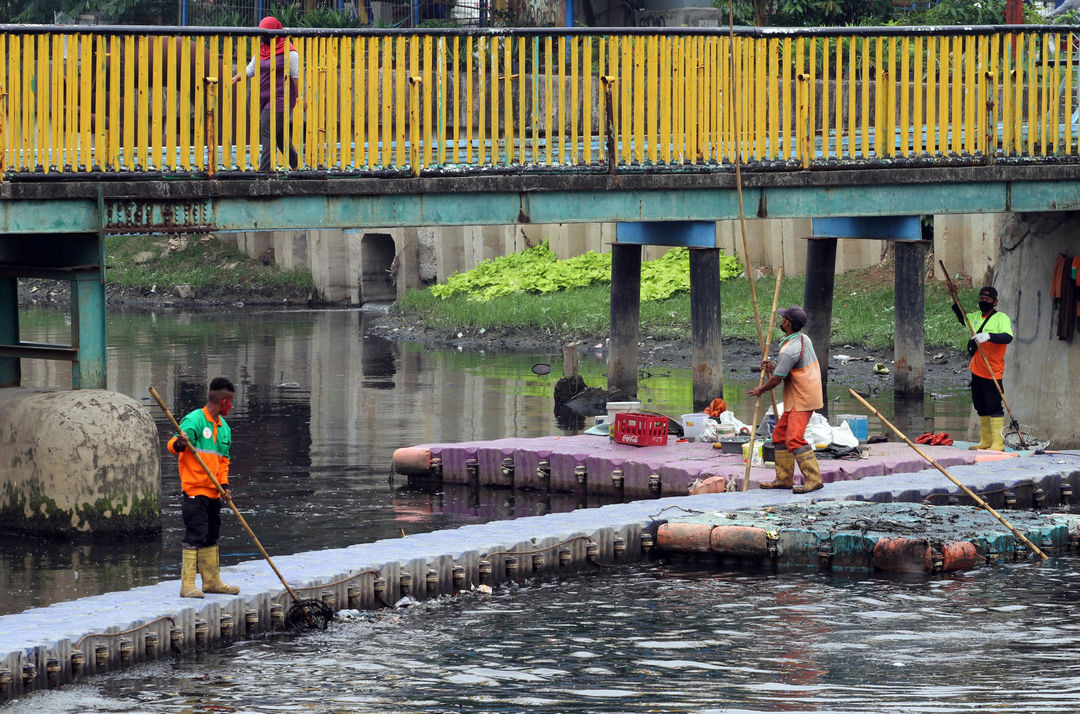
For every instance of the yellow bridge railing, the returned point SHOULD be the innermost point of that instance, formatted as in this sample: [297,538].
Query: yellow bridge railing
[154,100]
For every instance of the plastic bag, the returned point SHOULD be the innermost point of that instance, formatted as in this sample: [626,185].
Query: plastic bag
[708,433]
[741,428]
[843,435]
[818,433]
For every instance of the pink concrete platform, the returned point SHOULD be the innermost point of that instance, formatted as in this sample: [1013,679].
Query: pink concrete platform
[596,465]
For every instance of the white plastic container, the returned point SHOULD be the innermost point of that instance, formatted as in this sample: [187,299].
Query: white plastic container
[614,408]
[725,431]
[693,424]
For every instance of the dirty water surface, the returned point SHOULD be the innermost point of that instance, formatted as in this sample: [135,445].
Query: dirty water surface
[654,638]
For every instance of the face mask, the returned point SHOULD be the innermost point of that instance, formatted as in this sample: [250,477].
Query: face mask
[226,406]
[985,306]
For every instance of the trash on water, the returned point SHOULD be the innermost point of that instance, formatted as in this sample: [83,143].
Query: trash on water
[880,368]
[289,385]
[541,369]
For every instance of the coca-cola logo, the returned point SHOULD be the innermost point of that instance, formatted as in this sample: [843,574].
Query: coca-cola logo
[630,438]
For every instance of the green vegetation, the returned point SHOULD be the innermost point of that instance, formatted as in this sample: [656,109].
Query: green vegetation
[208,265]
[862,310]
[538,270]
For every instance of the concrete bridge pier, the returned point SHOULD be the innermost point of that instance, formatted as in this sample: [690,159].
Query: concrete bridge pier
[909,348]
[818,301]
[707,355]
[625,319]
[909,344]
[707,348]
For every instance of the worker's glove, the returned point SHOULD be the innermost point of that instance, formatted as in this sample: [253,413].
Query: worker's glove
[982,337]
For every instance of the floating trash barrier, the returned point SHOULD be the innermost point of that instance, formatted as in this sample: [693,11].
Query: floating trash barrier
[599,466]
[855,535]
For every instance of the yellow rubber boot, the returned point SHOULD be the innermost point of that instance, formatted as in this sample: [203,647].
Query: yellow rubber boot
[985,436]
[811,473]
[785,470]
[211,574]
[188,567]
[996,425]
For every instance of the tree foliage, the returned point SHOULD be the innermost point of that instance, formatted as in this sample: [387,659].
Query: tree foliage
[134,12]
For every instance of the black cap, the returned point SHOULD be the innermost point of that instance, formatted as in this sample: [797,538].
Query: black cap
[795,314]
[989,291]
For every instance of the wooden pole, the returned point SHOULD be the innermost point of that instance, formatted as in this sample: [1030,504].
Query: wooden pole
[157,398]
[974,496]
[569,360]
[979,349]
[761,381]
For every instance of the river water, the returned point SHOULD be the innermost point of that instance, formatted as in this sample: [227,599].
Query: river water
[320,409]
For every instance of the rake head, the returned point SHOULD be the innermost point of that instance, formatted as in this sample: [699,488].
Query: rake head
[308,614]
[1019,438]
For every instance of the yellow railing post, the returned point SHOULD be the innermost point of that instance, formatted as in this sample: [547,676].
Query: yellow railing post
[79,100]
[803,128]
[211,133]
[414,124]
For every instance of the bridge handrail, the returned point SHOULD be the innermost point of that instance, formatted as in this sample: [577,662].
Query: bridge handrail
[159,100]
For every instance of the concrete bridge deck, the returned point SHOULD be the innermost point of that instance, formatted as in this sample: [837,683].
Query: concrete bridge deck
[53,645]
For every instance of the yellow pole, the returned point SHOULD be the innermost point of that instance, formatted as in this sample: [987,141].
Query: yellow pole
[765,346]
[205,468]
[974,496]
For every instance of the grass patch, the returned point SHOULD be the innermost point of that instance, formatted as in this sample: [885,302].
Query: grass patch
[862,312]
[208,265]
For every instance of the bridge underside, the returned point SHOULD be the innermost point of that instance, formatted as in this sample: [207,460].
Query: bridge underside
[43,205]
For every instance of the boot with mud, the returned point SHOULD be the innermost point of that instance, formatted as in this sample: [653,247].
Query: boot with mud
[211,574]
[785,469]
[985,435]
[189,565]
[997,424]
[808,464]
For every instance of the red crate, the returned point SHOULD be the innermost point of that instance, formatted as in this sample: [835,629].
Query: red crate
[640,429]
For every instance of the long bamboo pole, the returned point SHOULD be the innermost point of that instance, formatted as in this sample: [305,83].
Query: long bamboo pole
[974,496]
[986,360]
[221,490]
[761,381]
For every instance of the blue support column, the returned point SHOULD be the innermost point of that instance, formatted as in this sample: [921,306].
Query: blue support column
[908,327]
[88,331]
[707,350]
[10,374]
[625,320]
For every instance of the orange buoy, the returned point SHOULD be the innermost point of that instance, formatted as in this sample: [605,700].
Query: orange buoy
[902,555]
[412,460]
[712,484]
[740,541]
[684,537]
[959,555]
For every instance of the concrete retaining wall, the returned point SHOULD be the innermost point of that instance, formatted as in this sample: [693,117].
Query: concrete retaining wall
[77,463]
[1040,370]
[362,265]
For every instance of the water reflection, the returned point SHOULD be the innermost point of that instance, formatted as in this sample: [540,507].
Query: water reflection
[320,409]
